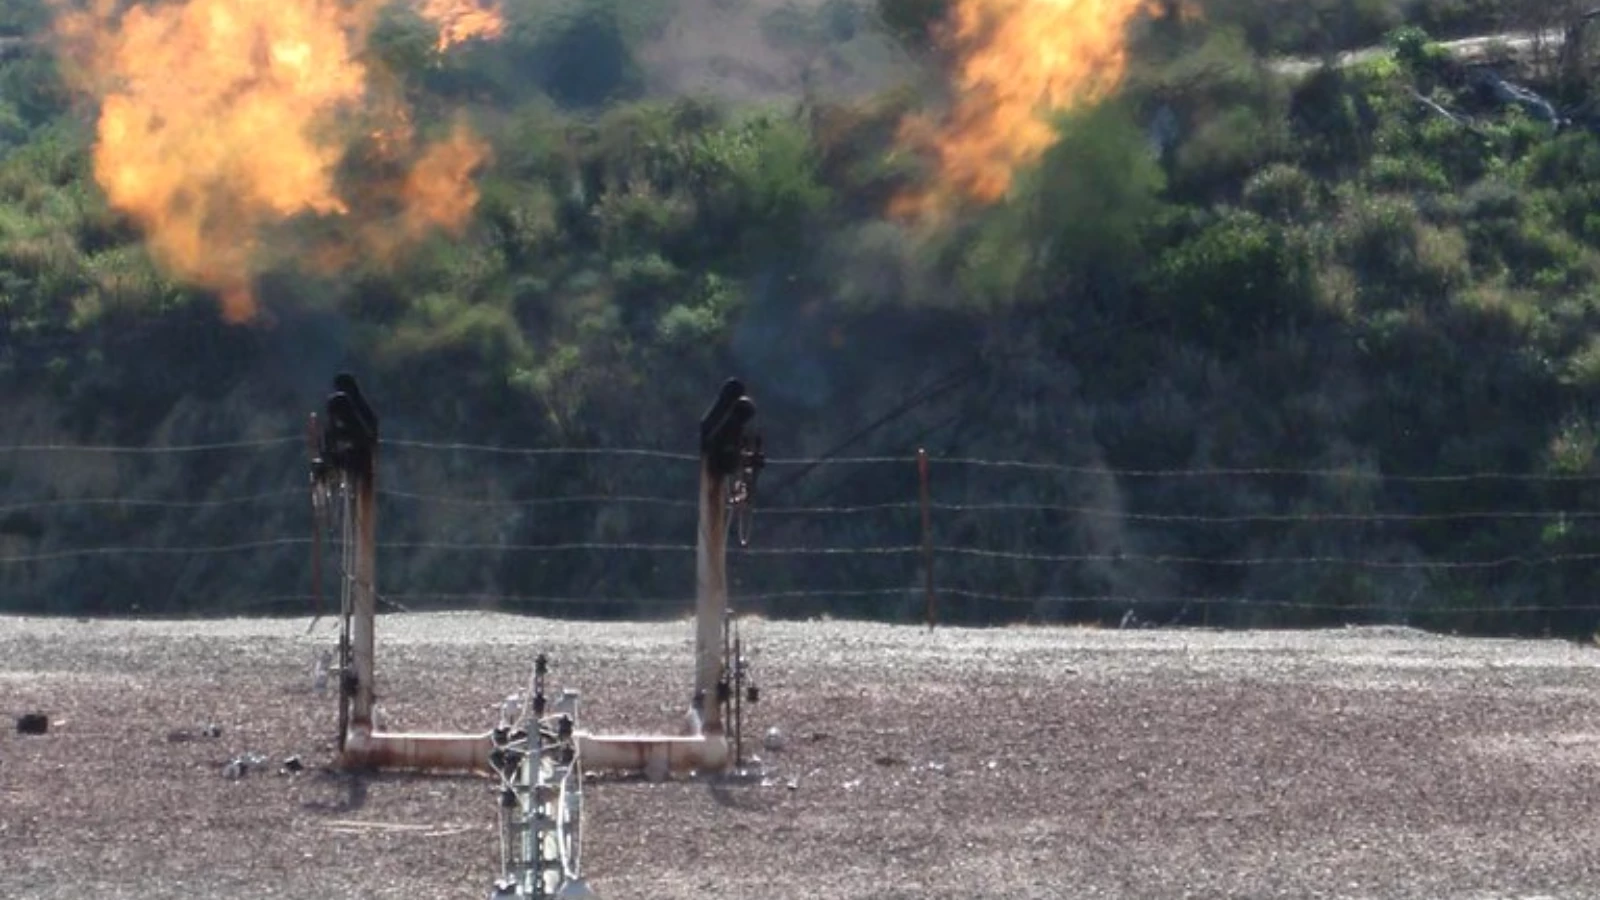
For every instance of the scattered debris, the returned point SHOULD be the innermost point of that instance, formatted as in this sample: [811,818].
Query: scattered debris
[1449,116]
[240,766]
[184,735]
[33,723]
[1510,94]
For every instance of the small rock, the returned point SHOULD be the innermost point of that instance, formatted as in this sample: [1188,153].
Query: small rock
[773,740]
[213,731]
[292,765]
[234,770]
[33,723]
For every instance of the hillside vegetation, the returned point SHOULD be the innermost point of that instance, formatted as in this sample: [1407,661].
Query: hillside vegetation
[1382,269]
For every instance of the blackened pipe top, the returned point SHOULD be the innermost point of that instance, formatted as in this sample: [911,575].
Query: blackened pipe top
[345,383]
[722,428]
[351,432]
[732,390]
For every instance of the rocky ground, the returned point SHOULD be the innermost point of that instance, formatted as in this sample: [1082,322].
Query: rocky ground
[1022,762]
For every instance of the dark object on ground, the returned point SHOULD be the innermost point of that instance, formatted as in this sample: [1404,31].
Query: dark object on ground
[33,723]
[292,765]
[183,735]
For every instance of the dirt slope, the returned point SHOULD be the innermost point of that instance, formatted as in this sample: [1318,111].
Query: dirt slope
[1006,763]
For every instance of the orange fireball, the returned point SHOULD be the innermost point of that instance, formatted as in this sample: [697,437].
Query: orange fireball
[221,118]
[1018,62]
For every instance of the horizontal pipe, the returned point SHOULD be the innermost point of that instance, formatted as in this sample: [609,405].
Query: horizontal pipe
[409,752]
[469,753]
[654,755]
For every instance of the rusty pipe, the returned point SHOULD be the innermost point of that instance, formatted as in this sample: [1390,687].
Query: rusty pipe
[365,749]
[654,755]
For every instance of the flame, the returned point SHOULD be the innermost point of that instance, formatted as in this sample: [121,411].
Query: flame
[462,20]
[436,193]
[222,118]
[1018,62]
[438,190]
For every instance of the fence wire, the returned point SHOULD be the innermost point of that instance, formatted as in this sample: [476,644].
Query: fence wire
[279,514]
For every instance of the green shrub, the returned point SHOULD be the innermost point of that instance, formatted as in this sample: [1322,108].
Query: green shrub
[1237,280]
[1406,173]
[1226,148]
[1096,192]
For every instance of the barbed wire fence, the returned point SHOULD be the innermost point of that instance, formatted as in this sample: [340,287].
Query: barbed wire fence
[167,530]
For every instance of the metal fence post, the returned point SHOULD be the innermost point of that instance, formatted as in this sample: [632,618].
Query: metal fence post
[927,537]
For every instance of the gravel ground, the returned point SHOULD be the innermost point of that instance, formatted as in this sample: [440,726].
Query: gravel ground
[1020,762]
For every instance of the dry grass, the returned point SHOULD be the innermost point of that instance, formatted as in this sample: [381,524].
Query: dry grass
[1008,763]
